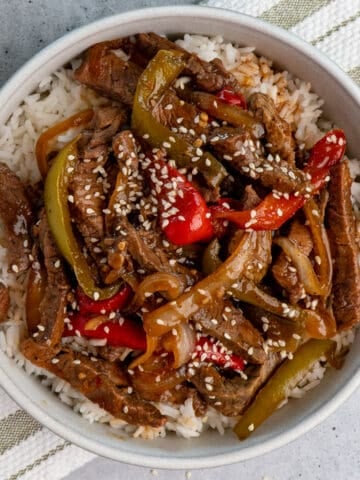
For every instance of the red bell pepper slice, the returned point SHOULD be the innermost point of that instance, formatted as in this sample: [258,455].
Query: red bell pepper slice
[118,332]
[184,215]
[207,350]
[230,97]
[117,302]
[275,210]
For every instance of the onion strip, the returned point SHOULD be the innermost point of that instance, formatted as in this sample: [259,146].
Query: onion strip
[170,286]
[181,343]
[303,265]
[213,287]
[321,245]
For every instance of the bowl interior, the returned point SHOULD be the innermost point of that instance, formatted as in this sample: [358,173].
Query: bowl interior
[342,104]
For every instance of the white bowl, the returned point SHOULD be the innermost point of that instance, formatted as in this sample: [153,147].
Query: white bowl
[342,104]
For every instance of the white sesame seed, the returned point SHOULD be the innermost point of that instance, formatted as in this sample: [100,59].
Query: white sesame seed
[160,322]
[251,427]
[96,296]
[76,362]
[14,268]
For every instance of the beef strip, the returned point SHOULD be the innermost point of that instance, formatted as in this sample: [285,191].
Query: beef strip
[283,269]
[231,396]
[344,248]
[209,76]
[225,322]
[278,131]
[128,185]
[179,394]
[117,79]
[101,382]
[17,216]
[182,116]
[236,146]
[109,74]
[4,302]
[53,305]
[145,248]
[87,182]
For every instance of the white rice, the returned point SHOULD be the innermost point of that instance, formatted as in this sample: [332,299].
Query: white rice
[58,97]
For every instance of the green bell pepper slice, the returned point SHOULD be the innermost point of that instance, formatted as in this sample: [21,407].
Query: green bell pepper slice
[58,216]
[161,71]
[277,389]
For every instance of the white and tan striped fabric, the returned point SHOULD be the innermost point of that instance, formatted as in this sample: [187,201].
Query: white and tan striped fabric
[28,451]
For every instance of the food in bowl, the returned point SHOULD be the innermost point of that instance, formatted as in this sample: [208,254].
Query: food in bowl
[189,258]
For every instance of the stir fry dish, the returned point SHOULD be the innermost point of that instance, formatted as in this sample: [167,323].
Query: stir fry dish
[187,236]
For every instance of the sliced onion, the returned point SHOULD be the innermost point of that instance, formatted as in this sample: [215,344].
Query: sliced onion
[303,265]
[321,245]
[156,376]
[152,344]
[167,284]
[181,343]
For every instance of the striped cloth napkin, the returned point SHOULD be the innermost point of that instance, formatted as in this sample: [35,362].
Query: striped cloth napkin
[29,451]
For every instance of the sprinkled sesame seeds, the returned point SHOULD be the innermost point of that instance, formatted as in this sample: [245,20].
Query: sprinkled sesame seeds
[96,296]
[251,427]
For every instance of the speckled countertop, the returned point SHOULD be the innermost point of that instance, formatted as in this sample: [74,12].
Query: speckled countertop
[330,451]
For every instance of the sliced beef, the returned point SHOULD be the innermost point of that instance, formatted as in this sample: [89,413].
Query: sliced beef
[278,131]
[250,199]
[112,354]
[146,249]
[225,322]
[344,248]
[53,305]
[128,185]
[182,116]
[179,394]
[4,302]
[236,146]
[283,269]
[88,181]
[17,216]
[101,382]
[126,149]
[231,396]
[109,74]
[104,126]
[208,76]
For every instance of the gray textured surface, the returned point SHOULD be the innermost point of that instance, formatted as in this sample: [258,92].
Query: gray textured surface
[330,451]
[28,25]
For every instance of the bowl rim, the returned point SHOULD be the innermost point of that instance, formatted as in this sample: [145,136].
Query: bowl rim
[66,431]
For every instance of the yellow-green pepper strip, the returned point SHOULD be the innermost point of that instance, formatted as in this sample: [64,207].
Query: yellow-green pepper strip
[211,260]
[315,324]
[58,216]
[161,71]
[277,389]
